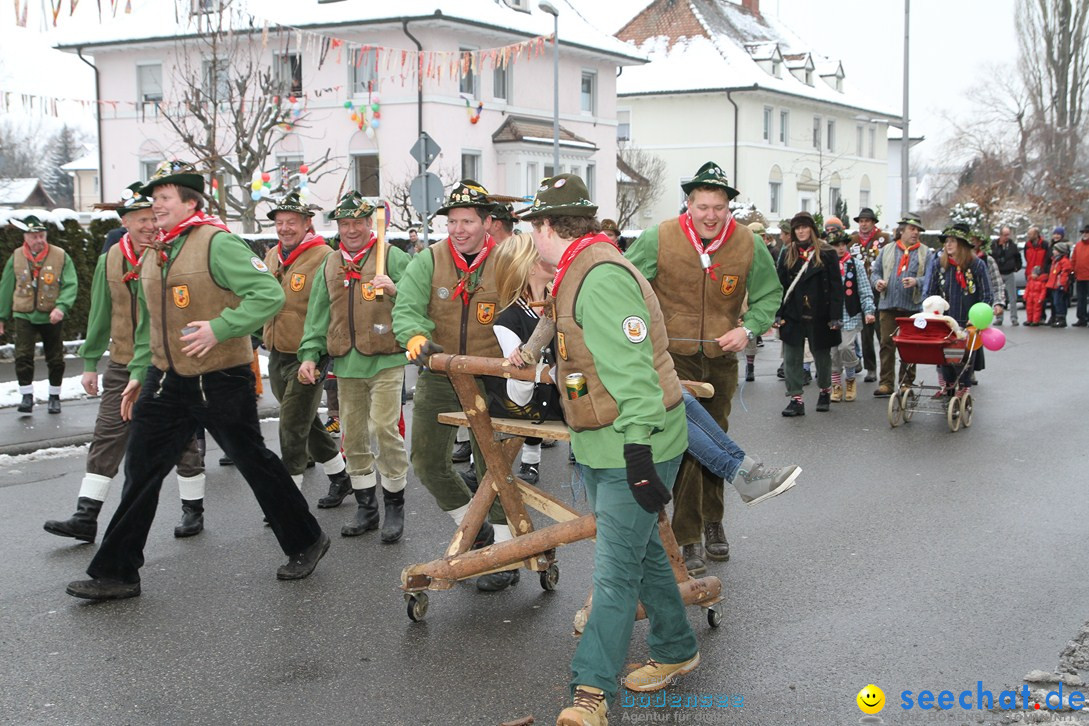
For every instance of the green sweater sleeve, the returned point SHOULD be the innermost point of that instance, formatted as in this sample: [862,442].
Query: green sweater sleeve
[313,344]
[643,253]
[413,295]
[235,267]
[765,290]
[98,321]
[69,285]
[609,295]
[396,262]
[141,340]
[7,289]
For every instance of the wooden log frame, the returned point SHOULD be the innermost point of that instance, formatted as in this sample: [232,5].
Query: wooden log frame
[535,549]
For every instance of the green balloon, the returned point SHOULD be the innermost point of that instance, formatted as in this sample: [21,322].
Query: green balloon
[981,315]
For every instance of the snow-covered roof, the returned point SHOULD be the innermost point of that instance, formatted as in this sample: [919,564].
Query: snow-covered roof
[14,192]
[88,162]
[151,21]
[56,217]
[705,45]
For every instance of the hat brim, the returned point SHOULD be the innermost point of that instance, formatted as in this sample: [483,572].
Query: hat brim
[558,210]
[486,206]
[861,217]
[304,212]
[190,181]
[129,209]
[691,186]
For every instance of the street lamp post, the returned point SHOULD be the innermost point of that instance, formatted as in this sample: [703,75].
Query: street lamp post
[551,10]
[905,145]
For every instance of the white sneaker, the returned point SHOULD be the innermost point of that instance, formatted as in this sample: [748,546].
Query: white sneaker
[760,482]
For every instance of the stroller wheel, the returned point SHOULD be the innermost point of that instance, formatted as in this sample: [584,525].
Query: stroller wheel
[952,414]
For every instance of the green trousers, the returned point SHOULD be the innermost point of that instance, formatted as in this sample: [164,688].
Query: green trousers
[630,567]
[432,443]
[302,434]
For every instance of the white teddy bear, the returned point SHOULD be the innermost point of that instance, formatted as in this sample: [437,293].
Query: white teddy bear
[934,308]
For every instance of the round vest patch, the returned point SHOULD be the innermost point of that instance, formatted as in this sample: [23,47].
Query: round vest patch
[258,264]
[635,329]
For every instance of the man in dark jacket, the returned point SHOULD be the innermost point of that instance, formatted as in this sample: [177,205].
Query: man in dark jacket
[1008,257]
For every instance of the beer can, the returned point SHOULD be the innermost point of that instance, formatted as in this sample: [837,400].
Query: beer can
[575,383]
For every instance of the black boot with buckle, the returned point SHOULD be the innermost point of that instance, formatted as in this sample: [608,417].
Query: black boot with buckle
[393,524]
[366,515]
[83,525]
[340,486]
[192,521]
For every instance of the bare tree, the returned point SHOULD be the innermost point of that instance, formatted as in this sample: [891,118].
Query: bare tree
[22,148]
[233,109]
[641,184]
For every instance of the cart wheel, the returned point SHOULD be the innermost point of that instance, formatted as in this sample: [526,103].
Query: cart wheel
[417,606]
[550,577]
[896,410]
[966,405]
[952,414]
[714,617]
[909,402]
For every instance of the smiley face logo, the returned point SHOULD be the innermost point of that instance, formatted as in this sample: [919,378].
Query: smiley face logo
[871,699]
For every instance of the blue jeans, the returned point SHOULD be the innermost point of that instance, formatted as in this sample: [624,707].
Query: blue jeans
[708,443]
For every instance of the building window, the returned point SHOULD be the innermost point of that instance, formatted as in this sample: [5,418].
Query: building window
[858,140]
[289,73]
[806,202]
[808,77]
[873,142]
[776,69]
[468,85]
[623,125]
[784,128]
[217,80]
[470,165]
[830,136]
[362,72]
[775,192]
[588,94]
[816,132]
[501,83]
[148,167]
[288,168]
[200,7]
[532,179]
[864,191]
[767,123]
[149,83]
[368,180]
[839,84]
[833,198]
[591,179]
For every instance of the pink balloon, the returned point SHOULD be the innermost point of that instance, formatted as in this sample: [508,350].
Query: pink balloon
[993,338]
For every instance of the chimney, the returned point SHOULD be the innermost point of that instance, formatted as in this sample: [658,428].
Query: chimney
[753,6]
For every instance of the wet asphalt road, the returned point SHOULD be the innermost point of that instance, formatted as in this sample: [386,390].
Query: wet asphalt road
[912,558]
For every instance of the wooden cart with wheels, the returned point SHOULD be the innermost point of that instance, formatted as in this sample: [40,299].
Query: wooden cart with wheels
[500,440]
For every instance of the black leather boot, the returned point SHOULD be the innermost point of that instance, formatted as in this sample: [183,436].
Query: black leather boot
[54,404]
[366,516]
[192,521]
[83,525]
[750,372]
[393,524]
[27,404]
[340,486]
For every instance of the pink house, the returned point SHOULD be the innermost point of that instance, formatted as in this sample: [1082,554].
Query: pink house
[338,54]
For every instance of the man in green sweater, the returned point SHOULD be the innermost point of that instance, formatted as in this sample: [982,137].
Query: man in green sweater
[38,286]
[350,320]
[203,292]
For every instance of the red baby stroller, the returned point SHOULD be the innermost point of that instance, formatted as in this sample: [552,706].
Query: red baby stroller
[922,341]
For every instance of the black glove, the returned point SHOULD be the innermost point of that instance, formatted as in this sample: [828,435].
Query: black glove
[643,480]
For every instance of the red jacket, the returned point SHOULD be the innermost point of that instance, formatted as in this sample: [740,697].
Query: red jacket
[1080,261]
[1036,289]
[1059,277]
[1037,255]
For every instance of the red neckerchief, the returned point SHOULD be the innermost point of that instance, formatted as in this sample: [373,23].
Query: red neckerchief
[865,241]
[351,263]
[309,241]
[129,254]
[961,279]
[572,252]
[36,260]
[465,268]
[843,263]
[697,243]
[904,257]
[199,218]
[805,252]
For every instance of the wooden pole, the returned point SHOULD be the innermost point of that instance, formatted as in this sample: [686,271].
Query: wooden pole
[380,252]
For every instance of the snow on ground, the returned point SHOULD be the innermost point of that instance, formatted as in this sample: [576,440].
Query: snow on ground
[61,452]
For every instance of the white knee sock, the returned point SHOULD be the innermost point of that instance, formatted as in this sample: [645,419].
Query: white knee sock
[394,485]
[54,390]
[95,486]
[364,481]
[531,454]
[334,465]
[502,533]
[191,487]
[298,479]
[23,390]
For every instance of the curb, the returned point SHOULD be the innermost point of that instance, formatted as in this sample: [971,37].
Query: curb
[29,447]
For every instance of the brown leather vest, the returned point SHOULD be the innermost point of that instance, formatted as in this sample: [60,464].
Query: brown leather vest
[123,307]
[28,300]
[189,292]
[597,409]
[459,328]
[284,331]
[695,306]
[357,317]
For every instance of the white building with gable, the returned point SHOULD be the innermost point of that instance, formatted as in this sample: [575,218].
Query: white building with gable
[726,83]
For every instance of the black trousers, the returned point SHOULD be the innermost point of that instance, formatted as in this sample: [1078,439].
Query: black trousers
[26,335]
[169,410]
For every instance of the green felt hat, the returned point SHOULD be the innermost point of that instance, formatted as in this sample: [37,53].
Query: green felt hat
[468,193]
[913,219]
[710,175]
[352,205]
[959,231]
[609,225]
[29,223]
[292,203]
[178,173]
[563,195]
[133,199]
[504,212]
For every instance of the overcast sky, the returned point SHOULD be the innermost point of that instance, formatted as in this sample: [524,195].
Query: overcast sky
[953,44]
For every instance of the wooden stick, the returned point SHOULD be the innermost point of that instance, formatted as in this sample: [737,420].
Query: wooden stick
[380,252]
